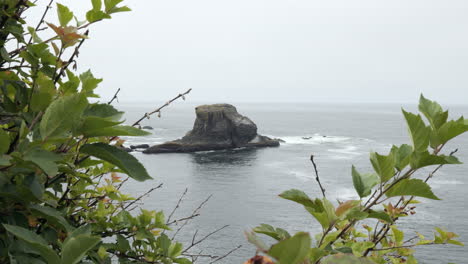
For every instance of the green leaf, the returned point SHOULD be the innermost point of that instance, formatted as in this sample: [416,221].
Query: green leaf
[298,196]
[43,94]
[293,250]
[4,141]
[52,215]
[455,242]
[115,131]
[109,4]
[97,4]
[62,114]
[122,244]
[44,159]
[363,183]
[356,213]
[82,230]
[175,249]
[182,261]
[88,82]
[322,210]
[93,123]
[5,160]
[104,111]
[34,35]
[64,15]
[413,187]
[402,156]
[35,241]
[40,101]
[359,247]
[96,15]
[76,247]
[124,161]
[255,240]
[418,131]
[423,159]
[70,86]
[316,253]
[276,233]
[433,112]
[119,9]
[449,130]
[4,54]
[398,235]
[383,165]
[381,215]
[346,259]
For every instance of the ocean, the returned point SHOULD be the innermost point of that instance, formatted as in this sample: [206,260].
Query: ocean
[244,183]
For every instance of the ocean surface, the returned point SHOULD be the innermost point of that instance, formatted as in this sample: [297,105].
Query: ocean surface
[245,183]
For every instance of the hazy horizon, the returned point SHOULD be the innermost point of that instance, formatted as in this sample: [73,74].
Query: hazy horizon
[280,51]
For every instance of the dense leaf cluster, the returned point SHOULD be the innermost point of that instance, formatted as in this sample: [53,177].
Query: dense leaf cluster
[60,155]
[386,195]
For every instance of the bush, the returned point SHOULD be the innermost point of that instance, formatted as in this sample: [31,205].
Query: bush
[60,155]
[366,230]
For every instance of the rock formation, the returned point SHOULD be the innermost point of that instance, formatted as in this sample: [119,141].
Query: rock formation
[217,126]
[141,146]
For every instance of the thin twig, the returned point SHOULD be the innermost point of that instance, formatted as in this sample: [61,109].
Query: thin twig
[157,110]
[317,175]
[227,254]
[183,219]
[115,97]
[177,206]
[72,57]
[141,196]
[203,238]
[194,214]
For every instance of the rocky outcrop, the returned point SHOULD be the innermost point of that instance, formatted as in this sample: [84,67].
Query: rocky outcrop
[141,146]
[217,126]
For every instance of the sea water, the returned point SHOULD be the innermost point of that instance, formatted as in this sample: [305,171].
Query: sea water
[244,183]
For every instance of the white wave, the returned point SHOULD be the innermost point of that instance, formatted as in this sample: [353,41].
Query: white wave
[150,140]
[341,157]
[346,194]
[348,150]
[313,140]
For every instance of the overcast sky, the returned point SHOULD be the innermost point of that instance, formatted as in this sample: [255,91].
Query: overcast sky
[281,50]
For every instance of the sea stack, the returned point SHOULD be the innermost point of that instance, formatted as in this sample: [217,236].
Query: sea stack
[217,126]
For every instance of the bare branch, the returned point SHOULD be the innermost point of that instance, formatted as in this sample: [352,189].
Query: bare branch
[177,206]
[194,214]
[157,110]
[115,97]
[227,254]
[141,196]
[203,239]
[72,57]
[317,175]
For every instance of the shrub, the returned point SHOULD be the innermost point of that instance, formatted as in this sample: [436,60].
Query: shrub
[366,230]
[60,155]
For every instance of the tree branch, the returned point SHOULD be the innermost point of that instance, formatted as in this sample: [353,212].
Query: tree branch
[317,176]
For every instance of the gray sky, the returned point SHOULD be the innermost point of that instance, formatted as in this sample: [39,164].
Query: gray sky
[282,51]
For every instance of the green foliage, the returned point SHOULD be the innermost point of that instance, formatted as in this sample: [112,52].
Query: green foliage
[120,158]
[61,160]
[363,183]
[392,186]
